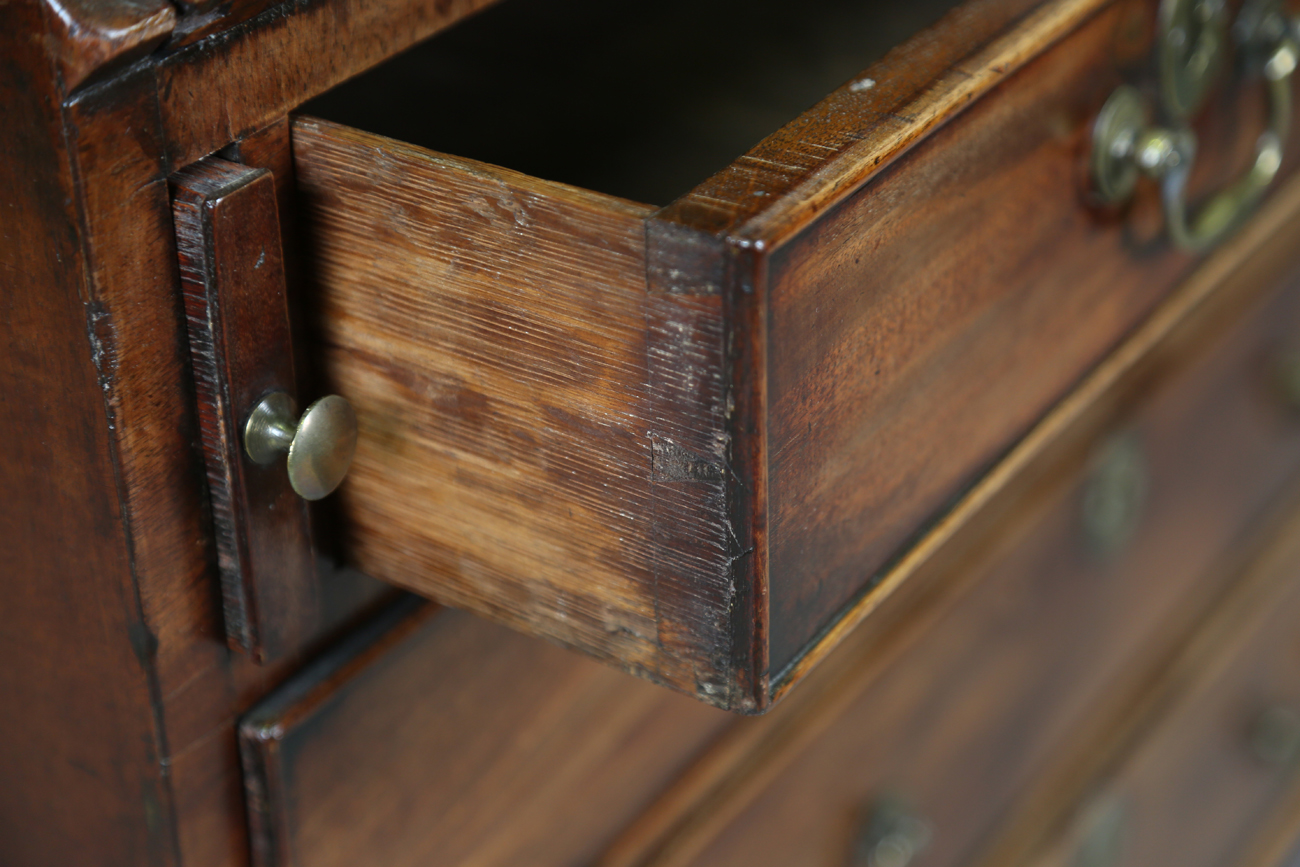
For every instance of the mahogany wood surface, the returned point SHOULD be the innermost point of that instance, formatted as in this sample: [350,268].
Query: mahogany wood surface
[83,742]
[120,697]
[1193,790]
[788,376]
[136,329]
[1009,587]
[232,276]
[999,686]
[214,85]
[432,737]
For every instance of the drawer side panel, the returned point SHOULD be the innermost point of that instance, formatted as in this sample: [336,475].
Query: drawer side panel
[540,436]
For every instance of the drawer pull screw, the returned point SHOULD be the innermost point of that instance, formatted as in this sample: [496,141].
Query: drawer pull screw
[320,445]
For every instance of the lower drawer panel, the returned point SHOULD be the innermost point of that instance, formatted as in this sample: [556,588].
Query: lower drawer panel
[1123,550]
[434,738]
[1225,747]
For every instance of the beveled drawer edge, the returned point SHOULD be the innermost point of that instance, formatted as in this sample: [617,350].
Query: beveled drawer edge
[766,196]
[261,729]
[1270,237]
[735,770]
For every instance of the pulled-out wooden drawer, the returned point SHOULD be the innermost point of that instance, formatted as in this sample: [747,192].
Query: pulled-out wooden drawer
[434,738]
[693,440]
[1039,625]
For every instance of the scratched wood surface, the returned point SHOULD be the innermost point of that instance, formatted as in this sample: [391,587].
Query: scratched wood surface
[527,448]
[81,742]
[1015,646]
[433,737]
[877,316]
[233,281]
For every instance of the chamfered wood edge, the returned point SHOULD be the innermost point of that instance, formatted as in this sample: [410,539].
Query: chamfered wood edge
[769,194]
[1266,234]
[233,288]
[194,189]
[717,240]
[263,728]
[94,38]
[749,756]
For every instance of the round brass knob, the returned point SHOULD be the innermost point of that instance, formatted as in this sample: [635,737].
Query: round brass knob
[320,444]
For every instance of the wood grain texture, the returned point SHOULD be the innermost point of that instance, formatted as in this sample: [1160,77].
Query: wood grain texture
[81,744]
[798,388]
[539,435]
[1191,789]
[434,738]
[906,313]
[92,39]
[136,326]
[232,277]
[216,89]
[786,181]
[984,582]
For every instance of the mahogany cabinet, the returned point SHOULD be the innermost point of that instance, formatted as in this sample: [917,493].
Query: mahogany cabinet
[830,433]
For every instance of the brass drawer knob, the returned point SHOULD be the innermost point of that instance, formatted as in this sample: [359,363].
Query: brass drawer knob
[320,445]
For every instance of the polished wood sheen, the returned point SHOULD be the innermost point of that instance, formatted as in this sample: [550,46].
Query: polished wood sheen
[432,738]
[1195,784]
[689,441]
[232,274]
[1013,592]
[430,733]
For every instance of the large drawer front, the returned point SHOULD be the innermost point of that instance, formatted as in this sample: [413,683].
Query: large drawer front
[1034,638]
[1226,746]
[691,441]
[433,738]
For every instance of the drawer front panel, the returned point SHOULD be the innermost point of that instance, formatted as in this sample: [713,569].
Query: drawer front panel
[434,738]
[692,441]
[1058,633]
[1226,745]
[926,321]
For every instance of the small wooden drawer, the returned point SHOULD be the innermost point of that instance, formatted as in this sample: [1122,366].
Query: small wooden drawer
[431,737]
[691,440]
[1036,631]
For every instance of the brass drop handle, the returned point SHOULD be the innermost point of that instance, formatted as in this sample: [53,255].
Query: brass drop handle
[1275,736]
[891,835]
[320,444]
[1125,144]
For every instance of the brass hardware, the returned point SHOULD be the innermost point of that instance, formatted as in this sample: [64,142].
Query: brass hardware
[1286,377]
[1275,736]
[1102,833]
[1114,494]
[1125,144]
[320,445]
[890,836]
[1192,49]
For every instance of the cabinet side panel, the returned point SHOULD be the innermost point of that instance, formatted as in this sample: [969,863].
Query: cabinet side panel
[80,748]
